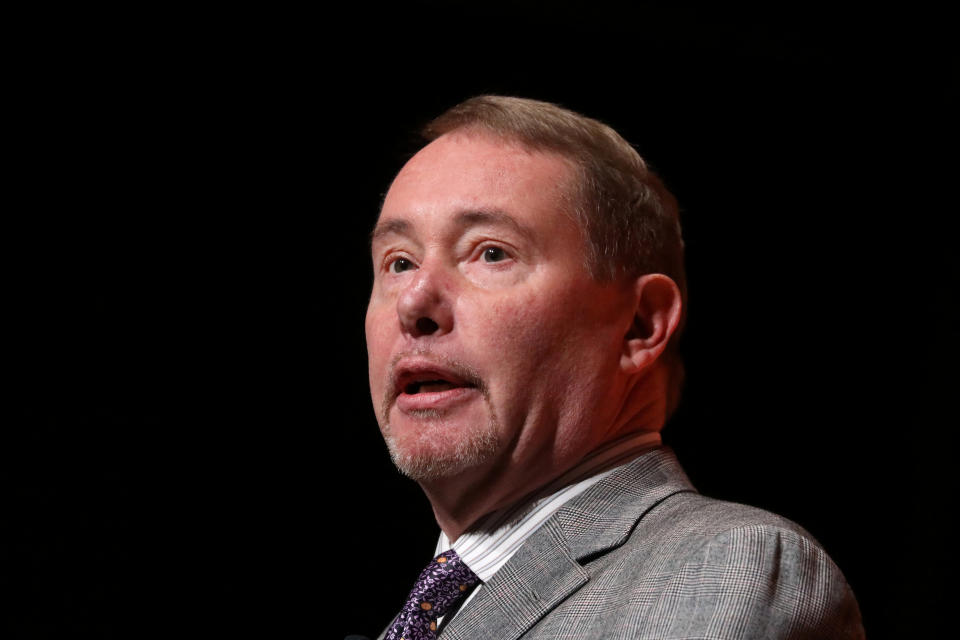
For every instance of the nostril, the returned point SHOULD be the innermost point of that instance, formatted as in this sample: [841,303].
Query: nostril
[426,326]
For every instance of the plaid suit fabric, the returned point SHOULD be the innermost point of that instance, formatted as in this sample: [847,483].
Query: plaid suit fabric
[642,555]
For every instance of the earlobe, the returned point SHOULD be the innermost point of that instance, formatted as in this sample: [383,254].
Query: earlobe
[656,317]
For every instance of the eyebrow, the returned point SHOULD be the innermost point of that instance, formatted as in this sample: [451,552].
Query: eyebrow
[463,219]
[386,227]
[473,218]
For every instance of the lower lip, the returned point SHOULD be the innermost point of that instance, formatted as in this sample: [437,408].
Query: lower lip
[436,400]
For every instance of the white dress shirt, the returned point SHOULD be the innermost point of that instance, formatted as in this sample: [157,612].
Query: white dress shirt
[493,539]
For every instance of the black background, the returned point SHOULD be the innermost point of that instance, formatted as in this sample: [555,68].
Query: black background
[189,445]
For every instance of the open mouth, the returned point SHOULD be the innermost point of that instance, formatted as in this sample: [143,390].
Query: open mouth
[417,379]
[429,386]
[426,388]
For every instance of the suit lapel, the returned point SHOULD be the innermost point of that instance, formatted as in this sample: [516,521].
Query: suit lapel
[537,578]
[603,517]
[547,569]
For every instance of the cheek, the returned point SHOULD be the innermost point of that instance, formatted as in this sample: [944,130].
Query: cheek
[378,332]
[524,333]
[551,340]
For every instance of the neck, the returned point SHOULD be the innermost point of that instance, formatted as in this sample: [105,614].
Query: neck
[460,501]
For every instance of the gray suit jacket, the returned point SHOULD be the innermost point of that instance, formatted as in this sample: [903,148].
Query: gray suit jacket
[642,555]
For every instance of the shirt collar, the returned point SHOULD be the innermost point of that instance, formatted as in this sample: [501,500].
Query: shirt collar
[493,540]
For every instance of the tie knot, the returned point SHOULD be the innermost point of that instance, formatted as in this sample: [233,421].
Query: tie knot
[441,585]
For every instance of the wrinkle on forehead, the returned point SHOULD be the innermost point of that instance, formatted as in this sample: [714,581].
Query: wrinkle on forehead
[487,153]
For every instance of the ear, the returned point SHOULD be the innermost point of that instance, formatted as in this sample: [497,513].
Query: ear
[657,314]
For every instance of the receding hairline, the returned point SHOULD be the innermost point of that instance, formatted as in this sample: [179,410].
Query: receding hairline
[534,124]
[567,193]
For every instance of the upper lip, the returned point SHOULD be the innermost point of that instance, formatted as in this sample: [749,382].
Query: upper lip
[410,370]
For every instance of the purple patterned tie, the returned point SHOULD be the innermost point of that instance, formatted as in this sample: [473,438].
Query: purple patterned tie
[440,586]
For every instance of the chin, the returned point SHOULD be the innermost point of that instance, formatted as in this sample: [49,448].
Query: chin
[435,451]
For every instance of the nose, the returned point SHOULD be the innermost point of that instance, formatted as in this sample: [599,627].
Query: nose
[424,306]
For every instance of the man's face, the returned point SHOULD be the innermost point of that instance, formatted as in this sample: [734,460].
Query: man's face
[489,343]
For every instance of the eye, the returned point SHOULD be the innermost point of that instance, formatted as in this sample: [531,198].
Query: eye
[494,254]
[400,265]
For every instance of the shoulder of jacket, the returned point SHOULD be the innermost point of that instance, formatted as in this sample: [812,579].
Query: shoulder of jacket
[688,525]
[696,513]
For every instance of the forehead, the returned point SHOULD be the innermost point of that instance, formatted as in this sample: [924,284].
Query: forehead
[467,171]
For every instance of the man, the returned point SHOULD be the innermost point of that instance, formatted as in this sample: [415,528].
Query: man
[528,293]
